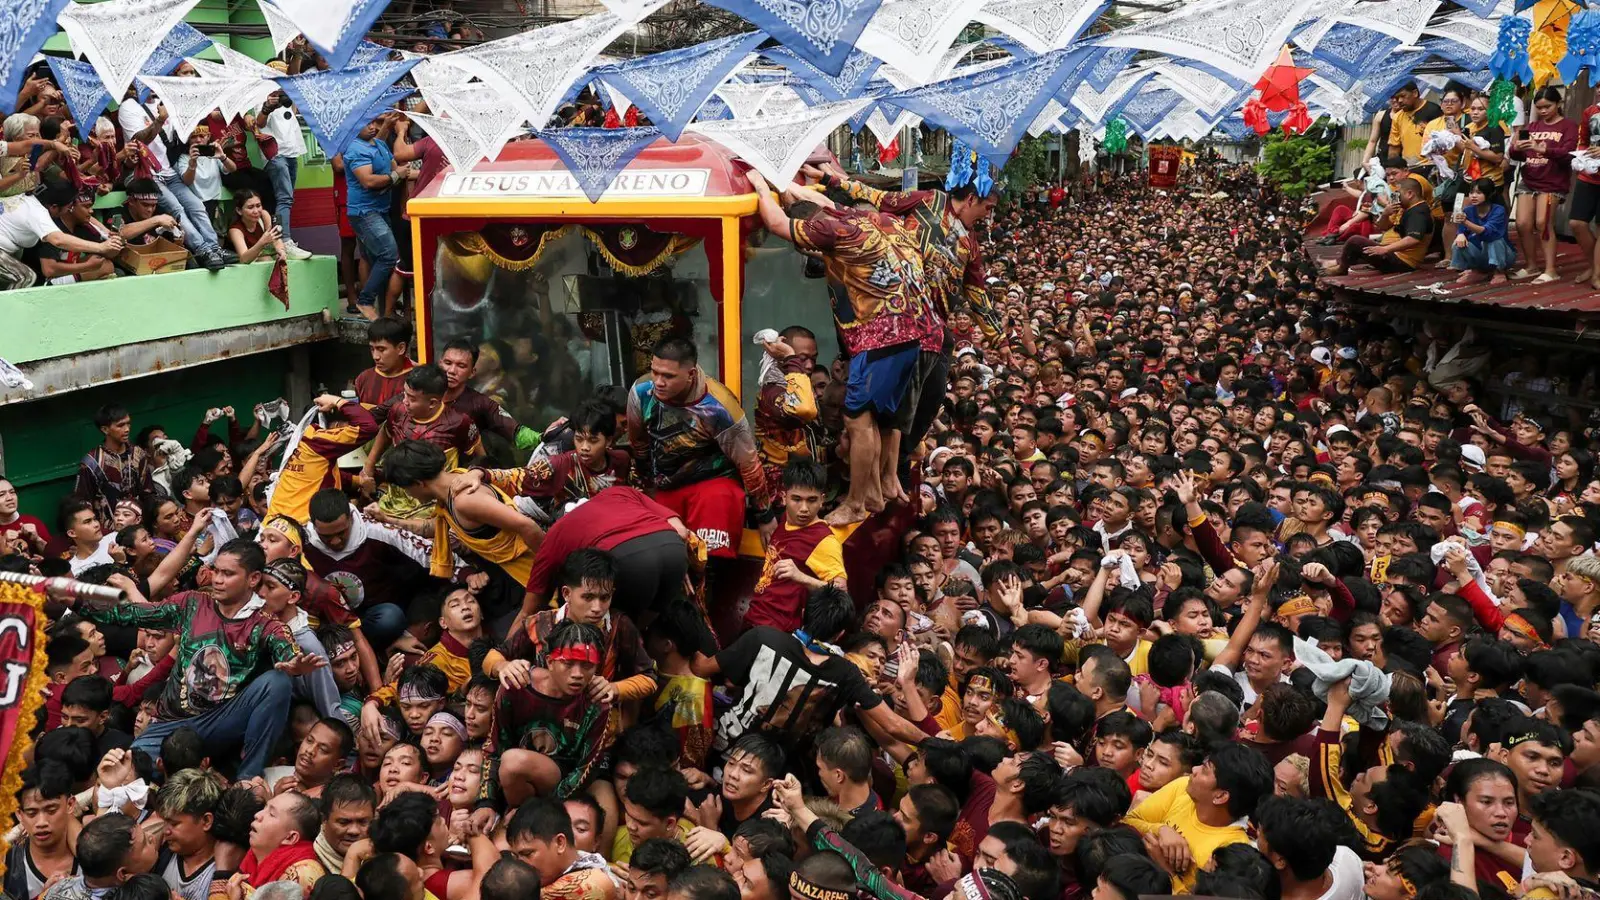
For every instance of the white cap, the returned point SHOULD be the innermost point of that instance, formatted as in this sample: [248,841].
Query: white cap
[1128,392]
[1335,429]
[1472,455]
[1321,355]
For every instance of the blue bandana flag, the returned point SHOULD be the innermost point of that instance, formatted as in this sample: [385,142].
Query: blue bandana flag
[859,67]
[668,87]
[824,32]
[595,156]
[1474,63]
[86,95]
[1107,66]
[1351,48]
[183,40]
[1233,129]
[368,52]
[1380,80]
[1144,112]
[24,27]
[715,109]
[387,100]
[362,16]
[991,110]
[1480,8]
[334,101]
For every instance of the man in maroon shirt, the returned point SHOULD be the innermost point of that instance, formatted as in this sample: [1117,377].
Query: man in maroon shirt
[647,540]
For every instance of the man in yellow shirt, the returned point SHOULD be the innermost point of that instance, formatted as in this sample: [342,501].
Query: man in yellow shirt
[1186,821]
[1409,116]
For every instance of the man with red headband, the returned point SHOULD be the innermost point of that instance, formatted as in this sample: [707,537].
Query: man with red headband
[550,736]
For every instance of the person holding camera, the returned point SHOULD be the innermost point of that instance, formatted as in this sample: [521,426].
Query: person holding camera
[201,168]
[277,131]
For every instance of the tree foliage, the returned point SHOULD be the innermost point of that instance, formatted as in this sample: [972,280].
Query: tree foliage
[1029,165]
[1295,164]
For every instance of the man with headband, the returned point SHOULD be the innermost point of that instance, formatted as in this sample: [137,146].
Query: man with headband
[588,584]
[549,738]
[283,583]
[461,624]
[283,538]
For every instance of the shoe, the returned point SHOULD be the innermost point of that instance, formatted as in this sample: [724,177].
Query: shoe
[228,256]
[1328,241]
[293,250]
[213,261]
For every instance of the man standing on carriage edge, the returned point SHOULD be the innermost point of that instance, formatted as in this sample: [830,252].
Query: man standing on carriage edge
[694,447]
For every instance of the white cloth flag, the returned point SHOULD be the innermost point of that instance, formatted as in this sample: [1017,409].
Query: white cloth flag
[189,100]
[243,65]
[1467,30]
[1092,104]
[783,101]
[911,34]
[1238,37]
[777,145]
[619,100]
[321,21]
[886,131]
[1047,119]
[282,29]
[745,99]
[1402,20]
[536,67]
[117,36]
[435,71]
[459,143]
[247,93]
[1310,37]
[1040,25]
[1197,86]
[489,116]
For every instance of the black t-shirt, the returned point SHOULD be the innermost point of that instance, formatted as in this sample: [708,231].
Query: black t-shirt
[1417,222]
[783,691]
[44,251]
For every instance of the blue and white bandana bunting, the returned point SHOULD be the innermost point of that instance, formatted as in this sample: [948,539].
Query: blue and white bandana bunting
[668,87]
[595,156]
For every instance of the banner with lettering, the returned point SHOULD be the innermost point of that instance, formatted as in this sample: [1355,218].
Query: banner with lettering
[1164,162]
[22,638]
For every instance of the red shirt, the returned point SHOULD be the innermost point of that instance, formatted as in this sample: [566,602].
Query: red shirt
[611,517]
[375,388]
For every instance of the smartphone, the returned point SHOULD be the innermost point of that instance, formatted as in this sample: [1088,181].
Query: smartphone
[207,150]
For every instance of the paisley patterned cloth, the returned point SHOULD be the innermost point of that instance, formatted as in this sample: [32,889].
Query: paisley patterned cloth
[668,87]
[118,36]
[334,101]
[822,31]
[777,145]
[594,156]
[24,27]
[1239,37]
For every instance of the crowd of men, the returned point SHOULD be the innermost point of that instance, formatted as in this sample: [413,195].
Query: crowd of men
[1110,559]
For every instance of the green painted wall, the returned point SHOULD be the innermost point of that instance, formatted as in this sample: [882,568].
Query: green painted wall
[47,322]
[44,440]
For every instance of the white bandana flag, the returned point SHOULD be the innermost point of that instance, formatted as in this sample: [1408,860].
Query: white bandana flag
[777,145]
[886,131]
[1041,25]
[189,100]
[1402,20]
[745,99]
[1197,86]
[118,36]
[323,22]
[480,110]
[1047,119]
[1093,104]
[459,143]
[536,67]
[912,34]
[283,30]
[1238,37]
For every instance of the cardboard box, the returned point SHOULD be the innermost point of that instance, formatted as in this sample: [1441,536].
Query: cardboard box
[155,258]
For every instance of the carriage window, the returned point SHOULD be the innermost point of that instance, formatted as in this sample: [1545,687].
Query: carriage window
[558,310]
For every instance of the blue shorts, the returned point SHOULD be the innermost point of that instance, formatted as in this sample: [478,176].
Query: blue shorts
[878,380]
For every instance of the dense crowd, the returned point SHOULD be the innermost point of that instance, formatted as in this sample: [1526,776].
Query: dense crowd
[1110,559]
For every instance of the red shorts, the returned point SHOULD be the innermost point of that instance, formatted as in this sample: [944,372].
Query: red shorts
[341,200]
[712,509]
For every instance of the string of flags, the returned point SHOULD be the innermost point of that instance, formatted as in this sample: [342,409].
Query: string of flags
[807,67]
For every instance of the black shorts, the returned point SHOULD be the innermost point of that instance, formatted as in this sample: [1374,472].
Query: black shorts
[1585,201]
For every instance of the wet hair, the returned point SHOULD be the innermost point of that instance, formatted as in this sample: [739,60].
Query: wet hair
[1244,773]
[707,882]
[103,844]
[658,791]
[1134,875]
[543,819]
[879,836]
[403,824]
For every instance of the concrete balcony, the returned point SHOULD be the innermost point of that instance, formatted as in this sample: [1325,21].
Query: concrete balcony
[70,337]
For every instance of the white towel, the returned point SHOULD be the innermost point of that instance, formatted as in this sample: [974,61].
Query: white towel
[1369,685]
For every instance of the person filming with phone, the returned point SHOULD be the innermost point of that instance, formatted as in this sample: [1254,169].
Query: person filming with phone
[202,167]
